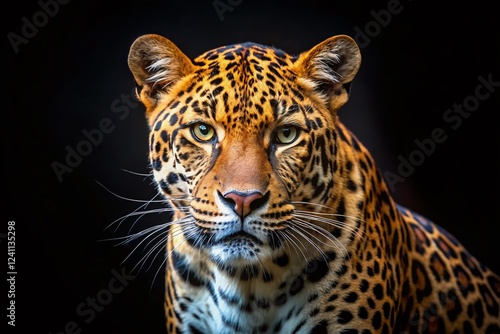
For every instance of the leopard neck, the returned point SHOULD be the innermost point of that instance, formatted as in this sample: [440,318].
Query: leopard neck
[383,232]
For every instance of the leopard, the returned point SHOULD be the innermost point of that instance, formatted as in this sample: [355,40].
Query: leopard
[281,222]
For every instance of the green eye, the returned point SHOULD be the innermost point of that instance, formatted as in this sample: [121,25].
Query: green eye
[286,134]
[203,132]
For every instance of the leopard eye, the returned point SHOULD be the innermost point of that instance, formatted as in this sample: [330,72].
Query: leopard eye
[203,132]
[286,134]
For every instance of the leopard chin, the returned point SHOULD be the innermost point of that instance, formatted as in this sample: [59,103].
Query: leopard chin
[240,249]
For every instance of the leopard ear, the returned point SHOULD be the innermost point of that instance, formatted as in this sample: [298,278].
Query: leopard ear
[329,67]
[156,64]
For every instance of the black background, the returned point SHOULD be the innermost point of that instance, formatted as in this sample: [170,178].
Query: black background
[65,79]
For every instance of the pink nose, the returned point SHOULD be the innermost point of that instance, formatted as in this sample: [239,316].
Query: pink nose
[242,202]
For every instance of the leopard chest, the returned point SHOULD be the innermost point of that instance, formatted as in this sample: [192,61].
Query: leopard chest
[246,301]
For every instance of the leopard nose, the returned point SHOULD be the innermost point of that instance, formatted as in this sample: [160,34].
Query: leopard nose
[244,202]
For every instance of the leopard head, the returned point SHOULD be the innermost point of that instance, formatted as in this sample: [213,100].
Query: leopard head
[243,143]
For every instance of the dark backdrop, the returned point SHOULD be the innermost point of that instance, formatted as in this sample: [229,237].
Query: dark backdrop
[65,75]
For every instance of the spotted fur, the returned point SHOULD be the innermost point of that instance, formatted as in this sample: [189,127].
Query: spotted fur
[282,222]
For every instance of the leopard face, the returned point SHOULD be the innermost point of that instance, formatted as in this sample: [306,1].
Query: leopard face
[238,142]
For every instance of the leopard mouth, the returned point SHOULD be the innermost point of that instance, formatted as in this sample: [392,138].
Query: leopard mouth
[239,248]
[240,236]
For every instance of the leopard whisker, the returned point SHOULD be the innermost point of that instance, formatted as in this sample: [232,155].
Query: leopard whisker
[302,232]
[121,219]
[283,234]
[156,248]
[360,233]
[131,199]
[131,237]
[325,233]
[315,228]
[296,247]
[150,174]
[335,241]
[149,233]
[325,208]
[162,264]
[332,214]
[290,242]
[168,239]
[197,242]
